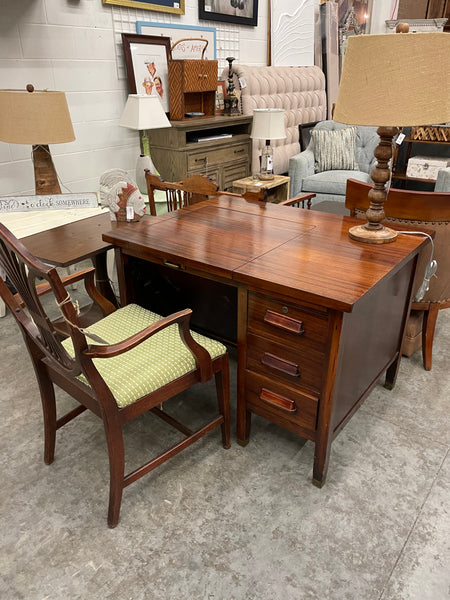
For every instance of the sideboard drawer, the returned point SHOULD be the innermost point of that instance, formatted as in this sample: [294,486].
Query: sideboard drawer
[285,323]
[280,403]
[216,157]
[301,368]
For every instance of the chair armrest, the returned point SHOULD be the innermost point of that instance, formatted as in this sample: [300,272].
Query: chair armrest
[299,199]
[88,276]
[202,357]
[300,166]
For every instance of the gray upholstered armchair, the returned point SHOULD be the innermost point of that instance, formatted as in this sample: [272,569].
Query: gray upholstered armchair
[329,185]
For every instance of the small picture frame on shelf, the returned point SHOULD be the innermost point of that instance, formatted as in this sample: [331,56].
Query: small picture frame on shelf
[147,63]
[220,96]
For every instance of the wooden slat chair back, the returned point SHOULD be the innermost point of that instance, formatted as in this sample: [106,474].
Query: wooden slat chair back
[183,193]
[81,364]
[418,210]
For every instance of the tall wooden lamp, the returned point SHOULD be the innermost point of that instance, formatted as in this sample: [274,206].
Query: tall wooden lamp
[39,118]
[390,81]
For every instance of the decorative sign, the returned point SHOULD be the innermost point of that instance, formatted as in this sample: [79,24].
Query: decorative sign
[50,202]
[189,48]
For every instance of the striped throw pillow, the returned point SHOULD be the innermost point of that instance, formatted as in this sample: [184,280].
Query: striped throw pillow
[334,149]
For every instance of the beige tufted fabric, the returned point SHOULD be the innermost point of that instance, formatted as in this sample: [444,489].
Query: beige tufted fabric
[299,90]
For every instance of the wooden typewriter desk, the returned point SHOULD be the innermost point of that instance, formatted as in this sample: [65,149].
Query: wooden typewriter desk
[320,318]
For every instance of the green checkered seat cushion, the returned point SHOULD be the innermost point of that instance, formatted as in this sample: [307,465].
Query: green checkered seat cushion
[152,364]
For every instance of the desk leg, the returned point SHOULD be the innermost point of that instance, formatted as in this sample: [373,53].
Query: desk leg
[324,433]
[243,416]
[101,277]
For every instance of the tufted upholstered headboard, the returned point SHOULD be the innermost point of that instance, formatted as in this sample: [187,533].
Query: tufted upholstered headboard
[299,90]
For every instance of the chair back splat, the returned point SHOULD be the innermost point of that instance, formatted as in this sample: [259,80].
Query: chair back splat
[183,193]
[421,211]
[125,363]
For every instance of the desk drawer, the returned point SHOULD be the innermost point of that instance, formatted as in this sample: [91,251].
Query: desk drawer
[293,326]
[300,367]
[280,404]
[217,156]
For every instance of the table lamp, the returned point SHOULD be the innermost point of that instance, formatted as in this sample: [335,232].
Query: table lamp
[268,124]
[39,118]
[142,113]
[389,81]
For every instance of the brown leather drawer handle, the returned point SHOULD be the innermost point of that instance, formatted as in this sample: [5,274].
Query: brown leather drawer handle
[280,364]
[284,322]
[278,401]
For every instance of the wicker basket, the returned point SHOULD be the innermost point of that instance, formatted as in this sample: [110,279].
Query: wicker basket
[431,133]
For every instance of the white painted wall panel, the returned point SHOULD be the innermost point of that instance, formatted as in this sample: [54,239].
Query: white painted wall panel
[47,41]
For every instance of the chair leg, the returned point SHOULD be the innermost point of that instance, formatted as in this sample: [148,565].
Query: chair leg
[47,393]
[223,397]
[428,327]
[116,454]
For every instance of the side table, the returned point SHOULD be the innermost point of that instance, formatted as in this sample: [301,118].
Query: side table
[275,190]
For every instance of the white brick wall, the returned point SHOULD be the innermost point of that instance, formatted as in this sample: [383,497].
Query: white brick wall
[70,46]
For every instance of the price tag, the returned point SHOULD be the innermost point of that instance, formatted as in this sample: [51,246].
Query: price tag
[130,213]
[400,138]
[207,8]
[176,5]
[242,82]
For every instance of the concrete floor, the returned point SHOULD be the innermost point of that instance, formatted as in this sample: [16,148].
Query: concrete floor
[242,524]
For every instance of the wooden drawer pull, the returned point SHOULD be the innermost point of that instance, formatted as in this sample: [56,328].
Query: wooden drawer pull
[280,364]
[239,151]
[284,322]
[277,400]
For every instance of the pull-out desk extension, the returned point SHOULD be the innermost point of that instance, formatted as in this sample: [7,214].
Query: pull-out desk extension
[320,317]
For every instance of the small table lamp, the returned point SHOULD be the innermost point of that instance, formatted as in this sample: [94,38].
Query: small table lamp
[268,124]
[38,118]
[142,113]
[389,81]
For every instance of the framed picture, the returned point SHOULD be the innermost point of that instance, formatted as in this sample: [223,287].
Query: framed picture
[241,12]
[220,95]
[187,49]
[146,60]
[167,6]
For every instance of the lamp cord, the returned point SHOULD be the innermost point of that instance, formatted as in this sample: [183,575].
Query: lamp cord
[430,269]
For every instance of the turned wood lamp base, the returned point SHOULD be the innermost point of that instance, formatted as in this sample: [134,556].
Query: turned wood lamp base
[374,232]
[363,233]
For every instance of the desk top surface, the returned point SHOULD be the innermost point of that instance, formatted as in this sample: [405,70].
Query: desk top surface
[71,242]
[277,249]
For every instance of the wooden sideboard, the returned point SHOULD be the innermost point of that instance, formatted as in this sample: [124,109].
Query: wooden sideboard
[318,317]
[177,153]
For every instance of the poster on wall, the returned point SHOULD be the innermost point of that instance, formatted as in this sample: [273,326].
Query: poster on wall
[292,33]
[241,12]
[167,6]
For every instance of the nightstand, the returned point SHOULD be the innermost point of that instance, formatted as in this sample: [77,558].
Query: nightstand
[276,189]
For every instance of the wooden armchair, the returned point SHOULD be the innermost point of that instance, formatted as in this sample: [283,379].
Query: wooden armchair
[125,364]
[418,210]
[188,191]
